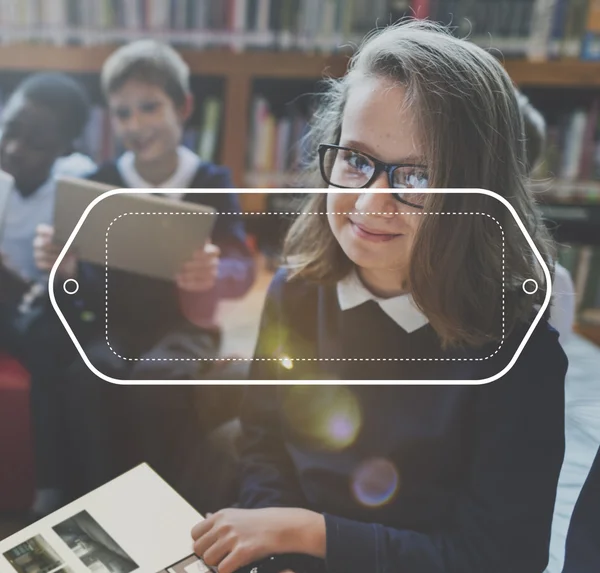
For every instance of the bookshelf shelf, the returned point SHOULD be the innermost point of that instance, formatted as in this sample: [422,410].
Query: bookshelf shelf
[282,64]
[80,59]
[566,73]
[240,69]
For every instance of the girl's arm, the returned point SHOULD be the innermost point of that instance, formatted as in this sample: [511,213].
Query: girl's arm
[268,477]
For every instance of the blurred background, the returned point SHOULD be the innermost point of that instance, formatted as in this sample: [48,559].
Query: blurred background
[257,68]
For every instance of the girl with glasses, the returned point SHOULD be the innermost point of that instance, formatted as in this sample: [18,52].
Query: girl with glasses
[387,280]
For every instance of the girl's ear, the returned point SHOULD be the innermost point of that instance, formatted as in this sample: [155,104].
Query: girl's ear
[186,109]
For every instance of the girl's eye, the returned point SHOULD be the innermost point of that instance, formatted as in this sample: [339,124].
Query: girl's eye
[410,178]
[357,161]
[418,180]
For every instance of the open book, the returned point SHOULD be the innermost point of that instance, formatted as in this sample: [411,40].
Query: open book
[136,522]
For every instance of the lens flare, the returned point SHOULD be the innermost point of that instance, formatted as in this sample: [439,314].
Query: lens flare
[329,416]
[341,429]
[375,482]
[287,362]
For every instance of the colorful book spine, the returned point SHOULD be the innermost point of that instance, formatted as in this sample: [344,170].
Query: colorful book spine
[590,49]
[210,129]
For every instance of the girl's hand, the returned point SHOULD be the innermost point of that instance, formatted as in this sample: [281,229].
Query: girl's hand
[233,538]
[200,274]
[45,253]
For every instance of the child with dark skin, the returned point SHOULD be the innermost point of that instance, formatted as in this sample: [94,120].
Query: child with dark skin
[40,123]
[31,142]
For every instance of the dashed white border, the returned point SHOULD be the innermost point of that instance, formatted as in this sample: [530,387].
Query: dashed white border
[420,213]
[496,376]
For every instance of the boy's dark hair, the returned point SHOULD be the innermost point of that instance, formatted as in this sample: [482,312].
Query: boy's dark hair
[148,61]
[534,127]
[63,96]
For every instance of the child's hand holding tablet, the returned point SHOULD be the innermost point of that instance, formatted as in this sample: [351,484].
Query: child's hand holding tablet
[200,273]
[45,253]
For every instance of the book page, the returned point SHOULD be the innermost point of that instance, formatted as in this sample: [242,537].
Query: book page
[136,522]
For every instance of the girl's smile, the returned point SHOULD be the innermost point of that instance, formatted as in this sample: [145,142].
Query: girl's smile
[367,233]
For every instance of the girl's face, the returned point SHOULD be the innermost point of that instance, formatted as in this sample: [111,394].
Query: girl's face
[146,120]
[375,230]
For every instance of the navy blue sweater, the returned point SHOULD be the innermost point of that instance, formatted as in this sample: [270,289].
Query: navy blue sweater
[477,466]
[144,309]
[582,553]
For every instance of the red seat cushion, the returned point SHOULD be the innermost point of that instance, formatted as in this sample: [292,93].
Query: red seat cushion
[16,452]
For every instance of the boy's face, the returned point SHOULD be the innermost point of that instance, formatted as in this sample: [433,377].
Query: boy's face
[146,120]
[31,142]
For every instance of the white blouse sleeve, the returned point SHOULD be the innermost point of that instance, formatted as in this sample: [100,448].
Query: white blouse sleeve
[562,310]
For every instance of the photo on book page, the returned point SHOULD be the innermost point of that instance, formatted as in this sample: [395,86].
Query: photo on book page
[191,564]
[36,555]
[136,523]
[97,550]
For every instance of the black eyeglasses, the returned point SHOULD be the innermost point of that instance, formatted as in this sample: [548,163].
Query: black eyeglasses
[346,168]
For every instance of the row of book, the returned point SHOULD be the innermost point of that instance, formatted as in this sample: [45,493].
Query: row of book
[583,263]
[569,171]
[537,28]
[307,24]
[100,144]
[276,143]
[276,149]
[572,152]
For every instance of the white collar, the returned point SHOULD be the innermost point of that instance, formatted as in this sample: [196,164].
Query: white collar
[401,309]
[181,179]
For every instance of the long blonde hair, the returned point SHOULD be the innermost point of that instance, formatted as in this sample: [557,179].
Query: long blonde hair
[466,271]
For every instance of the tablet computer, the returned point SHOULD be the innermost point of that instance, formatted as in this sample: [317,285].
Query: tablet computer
[147,234]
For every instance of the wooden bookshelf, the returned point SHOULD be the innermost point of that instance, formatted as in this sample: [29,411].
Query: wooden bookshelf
[567,73]
[77,59]
[239,69]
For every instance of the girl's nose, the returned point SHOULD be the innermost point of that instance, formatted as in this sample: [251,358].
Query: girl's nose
[382,182]
[378,204]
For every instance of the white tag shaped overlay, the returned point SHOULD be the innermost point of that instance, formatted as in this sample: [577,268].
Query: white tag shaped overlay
[154,241]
